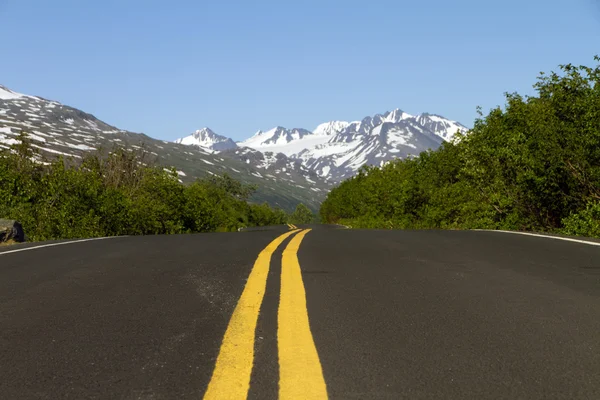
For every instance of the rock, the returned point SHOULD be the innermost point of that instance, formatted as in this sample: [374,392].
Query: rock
[11,230]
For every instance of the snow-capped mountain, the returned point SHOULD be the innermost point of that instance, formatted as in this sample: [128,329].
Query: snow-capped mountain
[331,128]
[336,150]
[207,139]
[439,125]
[277,140]
[59,130]
[372,141]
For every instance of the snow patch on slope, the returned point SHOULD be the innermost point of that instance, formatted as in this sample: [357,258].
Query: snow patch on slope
[7,94]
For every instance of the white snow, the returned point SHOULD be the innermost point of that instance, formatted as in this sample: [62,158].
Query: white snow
[204,138]
[331,128]
[377,130]
[5,139]
[55,151]
[269,159]
[399,137]
[397,115]
[294,146]
[445,128]
[92,124]
[208,162]
[181,173]
[79,146]
[36,137]
[7,94]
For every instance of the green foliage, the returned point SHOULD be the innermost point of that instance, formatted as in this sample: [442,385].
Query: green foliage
[119,193]
[585,222]
[532,166]
[302,215]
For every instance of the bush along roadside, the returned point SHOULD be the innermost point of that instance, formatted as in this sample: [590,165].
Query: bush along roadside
[534,166]
[119,193]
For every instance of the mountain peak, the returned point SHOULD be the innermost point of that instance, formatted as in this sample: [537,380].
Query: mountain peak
[206,132]
[441,126]
[331,128]
[208,139]
[396,116]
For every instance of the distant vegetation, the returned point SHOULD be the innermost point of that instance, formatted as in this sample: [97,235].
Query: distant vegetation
[302,215]
[121,193]
[533,166]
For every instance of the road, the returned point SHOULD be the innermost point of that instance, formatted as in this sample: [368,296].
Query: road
[297,314]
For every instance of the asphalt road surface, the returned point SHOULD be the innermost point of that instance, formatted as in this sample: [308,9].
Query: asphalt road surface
[302,314]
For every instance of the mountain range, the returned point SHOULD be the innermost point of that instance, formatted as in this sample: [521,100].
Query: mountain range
[336,150]
[290,166]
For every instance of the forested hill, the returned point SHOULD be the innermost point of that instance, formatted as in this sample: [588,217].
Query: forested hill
[531,165]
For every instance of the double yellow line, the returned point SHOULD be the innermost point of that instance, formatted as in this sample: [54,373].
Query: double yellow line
[292,226]
[300,372]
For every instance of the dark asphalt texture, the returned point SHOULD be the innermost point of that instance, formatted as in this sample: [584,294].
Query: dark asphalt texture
[394,315]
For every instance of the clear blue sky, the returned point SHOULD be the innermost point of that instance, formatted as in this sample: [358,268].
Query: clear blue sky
[166,68]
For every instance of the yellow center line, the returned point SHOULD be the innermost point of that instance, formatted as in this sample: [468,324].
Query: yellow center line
[300,371]
[231,376]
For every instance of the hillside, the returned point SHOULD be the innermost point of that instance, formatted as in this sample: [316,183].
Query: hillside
[57,129]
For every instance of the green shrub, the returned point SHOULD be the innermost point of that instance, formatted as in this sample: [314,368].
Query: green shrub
[585,222]
[533,165]
[119,194]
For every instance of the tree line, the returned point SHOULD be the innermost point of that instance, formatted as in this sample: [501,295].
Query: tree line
[533,165]
[122,192]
